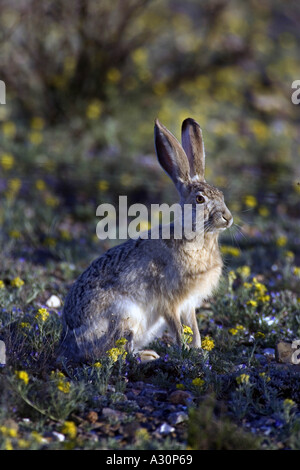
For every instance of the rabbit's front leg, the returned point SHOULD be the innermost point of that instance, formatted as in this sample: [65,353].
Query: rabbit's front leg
[173,321]
[189,319]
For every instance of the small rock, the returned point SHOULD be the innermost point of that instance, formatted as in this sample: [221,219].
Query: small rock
[177,418]
[92,417]
[181,397]
[111,413]
[57,436]
[53,302]
[2,353]
[284,352]
[165,428]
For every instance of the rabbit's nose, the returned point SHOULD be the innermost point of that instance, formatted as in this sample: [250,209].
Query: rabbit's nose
[228,219]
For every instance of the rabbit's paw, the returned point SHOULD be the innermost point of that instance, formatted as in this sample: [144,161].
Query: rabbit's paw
[147,355]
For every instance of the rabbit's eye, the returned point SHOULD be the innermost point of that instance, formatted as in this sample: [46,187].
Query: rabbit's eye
[200,199]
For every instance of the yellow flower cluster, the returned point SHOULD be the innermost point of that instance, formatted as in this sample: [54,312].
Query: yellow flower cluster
[296,271]
[94,109]
[187,334]
[250,201]
[17,282]
[235,331]
[2,285]
[244,271]
[63,384]
[281,241]
[208,343]
[42,314]
[22,375]
[8,432]
[97,365]
[69,429]
[198,382]
[243,379]
[7,161]
[288,402]
[230,250]
[119,351]
[259,335]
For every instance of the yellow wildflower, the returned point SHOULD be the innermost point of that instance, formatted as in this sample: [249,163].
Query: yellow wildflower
[7,161]
[40,185]
[288,402]
[198,382]
[296,271]
[37,123]
[247,285]
[259,334]
[263,211]
[64,386]
[250,201]
[289,255]
[35,137]
[2,285]
[121,342]
[103,185]
[37,437]
[208,343]
[23,444]
[142,434]
[281,241]
[240,327]
[9,129]
[252,303]
[230,250]
[69,429]
[98,365]
[9,432]
[233,331]
[231,276]
[263,298]
[243,379]
[22,375]
[42,314]
[15,234]
[113,75]
[17,282]
[8,444]
[187,335]
[114,353]
[51,201]
[24,324]
[180,386]
[94,109]
[259,287]
[244,271]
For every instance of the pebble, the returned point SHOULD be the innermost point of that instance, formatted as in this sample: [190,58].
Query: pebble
[165,428]
[53,302]
[111,413]
[177,418]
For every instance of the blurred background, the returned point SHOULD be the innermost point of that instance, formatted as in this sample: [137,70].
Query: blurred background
[85,81]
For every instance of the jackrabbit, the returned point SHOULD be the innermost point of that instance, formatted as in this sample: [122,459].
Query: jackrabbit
[143,287]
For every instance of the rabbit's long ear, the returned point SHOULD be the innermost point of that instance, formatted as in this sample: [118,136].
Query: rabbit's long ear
[192,142]
[171,156]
